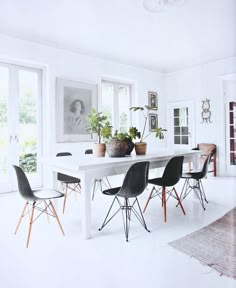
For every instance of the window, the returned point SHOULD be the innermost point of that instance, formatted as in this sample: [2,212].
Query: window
[181,126]
[115,102]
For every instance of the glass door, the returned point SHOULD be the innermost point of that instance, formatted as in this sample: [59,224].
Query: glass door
[230,89]
[180,125]
[20,132]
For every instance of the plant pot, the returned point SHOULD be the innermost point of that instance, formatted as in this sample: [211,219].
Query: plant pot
[140,148]
[116,148]
[99,149]
[130,147]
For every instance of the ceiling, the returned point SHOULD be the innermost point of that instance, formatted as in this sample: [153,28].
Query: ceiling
[122,31]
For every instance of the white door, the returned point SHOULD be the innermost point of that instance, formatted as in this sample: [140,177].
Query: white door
[230,112]
[180,125]
[20,131]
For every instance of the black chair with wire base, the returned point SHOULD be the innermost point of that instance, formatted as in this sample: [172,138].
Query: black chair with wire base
[38,200]
[170,177]
[98,181]
[134,184]
[193,182]
[68,184]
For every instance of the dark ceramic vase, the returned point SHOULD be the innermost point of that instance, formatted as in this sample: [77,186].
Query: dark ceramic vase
[130,147]
[116,148]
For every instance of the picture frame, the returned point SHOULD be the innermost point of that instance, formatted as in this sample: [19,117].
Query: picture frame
[153,122]
[74,100]
[152,100]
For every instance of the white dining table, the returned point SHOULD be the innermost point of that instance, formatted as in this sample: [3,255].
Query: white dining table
[89,167]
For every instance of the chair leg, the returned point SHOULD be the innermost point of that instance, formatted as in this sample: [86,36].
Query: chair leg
[46,210]
[164,202]
[178,199]
[149,198]
[21,217]
[30,225]
[105,222]
[56,216]
[64,202]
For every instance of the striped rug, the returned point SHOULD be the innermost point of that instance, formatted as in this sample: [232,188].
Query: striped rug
[213,245]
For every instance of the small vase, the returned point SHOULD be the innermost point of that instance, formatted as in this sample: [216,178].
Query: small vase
[99,150]
[140,148]
[130,147]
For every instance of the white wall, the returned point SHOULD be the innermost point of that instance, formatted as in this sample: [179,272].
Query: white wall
[62,63]
[196,84]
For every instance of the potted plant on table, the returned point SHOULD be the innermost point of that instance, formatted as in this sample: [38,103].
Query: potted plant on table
[121,144]
[99,124]
[141,146]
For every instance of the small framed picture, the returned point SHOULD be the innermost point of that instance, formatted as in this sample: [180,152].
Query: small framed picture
[152,100]
[152,122]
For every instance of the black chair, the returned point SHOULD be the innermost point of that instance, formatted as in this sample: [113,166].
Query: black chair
[170,177]
[34,199]
[98,181]
[193,182]
[68,184]
[133,185]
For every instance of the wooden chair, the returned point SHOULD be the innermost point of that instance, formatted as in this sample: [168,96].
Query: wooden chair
[208,148]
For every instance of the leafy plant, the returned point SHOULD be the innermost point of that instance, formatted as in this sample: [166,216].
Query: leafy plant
[99,124]
[158,131]
[132,134]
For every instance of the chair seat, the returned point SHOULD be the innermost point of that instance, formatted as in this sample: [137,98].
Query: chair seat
[47,194]
[111,191]
[157,181]
[193,175]
[71,180]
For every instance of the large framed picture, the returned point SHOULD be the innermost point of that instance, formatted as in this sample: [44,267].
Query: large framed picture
[74,100]
[152,100]
[153,122]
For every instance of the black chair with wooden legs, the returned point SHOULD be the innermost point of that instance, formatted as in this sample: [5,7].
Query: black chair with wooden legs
[38,200]
[170,177]
[193,182]
[68,184]
[98,181]
[133,185]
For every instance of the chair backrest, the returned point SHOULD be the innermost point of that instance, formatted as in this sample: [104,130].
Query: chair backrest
[135,181]
[173,171]
[205,166]
[23,184]
[207,148]
[88,151]
[61,176]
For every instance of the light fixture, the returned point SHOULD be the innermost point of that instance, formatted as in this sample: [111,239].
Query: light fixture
[161,5]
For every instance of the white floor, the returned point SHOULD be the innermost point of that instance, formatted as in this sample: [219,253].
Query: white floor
[107,260]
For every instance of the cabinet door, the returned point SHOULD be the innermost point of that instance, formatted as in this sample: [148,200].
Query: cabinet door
[20,130]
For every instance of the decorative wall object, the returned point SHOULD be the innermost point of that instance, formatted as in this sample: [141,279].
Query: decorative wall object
[206,113]
[152,100]
[153,122]
[74,100]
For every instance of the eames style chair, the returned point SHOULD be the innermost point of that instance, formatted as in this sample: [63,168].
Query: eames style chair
[134,184]
[193,182]
[170,177]
[38,200]
[98,181]
[68,184]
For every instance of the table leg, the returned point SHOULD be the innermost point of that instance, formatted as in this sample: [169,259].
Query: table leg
[86,206]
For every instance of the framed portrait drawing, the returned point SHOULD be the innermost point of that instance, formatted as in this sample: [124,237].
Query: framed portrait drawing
[153,122]
[74,101]
[152,100]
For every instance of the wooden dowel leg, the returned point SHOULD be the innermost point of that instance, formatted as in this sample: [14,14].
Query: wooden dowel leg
[177,196]
[55,214]
[21,217]
[164,202]
[30,225]
[149,198]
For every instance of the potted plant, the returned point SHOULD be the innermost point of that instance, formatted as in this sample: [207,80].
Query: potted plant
[141,146]
[122,143]
[99,124]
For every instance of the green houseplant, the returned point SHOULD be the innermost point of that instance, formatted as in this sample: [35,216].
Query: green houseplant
[99,124]
[121,144]
[141,146]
